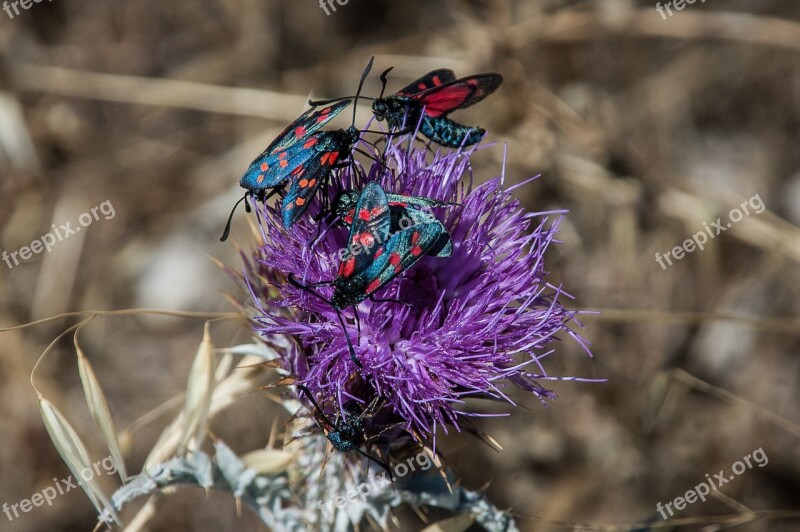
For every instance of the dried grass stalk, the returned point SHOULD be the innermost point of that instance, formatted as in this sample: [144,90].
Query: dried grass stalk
[74,453]
[98,406]
[199,391]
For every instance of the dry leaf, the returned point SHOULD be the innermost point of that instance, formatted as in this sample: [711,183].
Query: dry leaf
[199,391]
[98,406]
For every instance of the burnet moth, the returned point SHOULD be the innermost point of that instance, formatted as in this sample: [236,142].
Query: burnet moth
[382,255]
[302,157]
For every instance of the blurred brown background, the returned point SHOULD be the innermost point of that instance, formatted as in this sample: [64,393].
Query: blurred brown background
[643,127]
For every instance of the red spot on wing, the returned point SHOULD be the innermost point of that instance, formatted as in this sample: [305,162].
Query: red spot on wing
[284,163]
[365,239]
[264,167]
[414,238]
[394,260]
[416,251]
[374,285]
[365,215]
[442,102]
[300,202]
[347,268]
[379,253]
[331,157]
[260,178]
[282,155]
[300,132]
[303,183]
[324,116]
[310,142]
[437,81]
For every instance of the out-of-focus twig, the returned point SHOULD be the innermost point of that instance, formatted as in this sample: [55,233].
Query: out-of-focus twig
[15,139]
[729,520]
[766,231]
[782,325]
[60,269]
[743,28]
[163,92]
[723,394]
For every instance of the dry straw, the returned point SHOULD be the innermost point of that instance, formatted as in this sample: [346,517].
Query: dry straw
[66,439]
[98,406]
[73,452]
[199,391]
[457,523]
[268,461]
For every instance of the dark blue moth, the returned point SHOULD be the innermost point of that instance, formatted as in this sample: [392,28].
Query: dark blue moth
[383,255]
[346,432]
[404,211]
[376,254]
[302,157]
[428,100]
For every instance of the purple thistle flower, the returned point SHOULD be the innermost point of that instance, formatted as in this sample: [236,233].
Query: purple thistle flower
[469,325]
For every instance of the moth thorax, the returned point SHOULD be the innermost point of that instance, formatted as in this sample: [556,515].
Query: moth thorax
[344,202]
[380,109]
[348,292]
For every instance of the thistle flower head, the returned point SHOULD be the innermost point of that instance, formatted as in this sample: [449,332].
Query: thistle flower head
[464,326]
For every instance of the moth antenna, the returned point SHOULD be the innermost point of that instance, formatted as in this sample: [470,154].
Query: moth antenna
[317,103]
[227,230]
[314,402]
[384,81]
[360,86]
